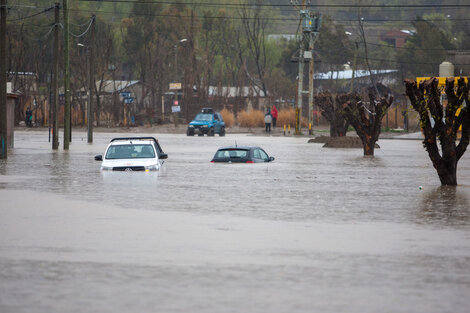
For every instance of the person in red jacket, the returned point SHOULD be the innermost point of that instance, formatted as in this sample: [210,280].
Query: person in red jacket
[274,115]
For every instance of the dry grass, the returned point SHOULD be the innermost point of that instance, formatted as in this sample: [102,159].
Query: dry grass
[228,117]
[287,117]
[252,118]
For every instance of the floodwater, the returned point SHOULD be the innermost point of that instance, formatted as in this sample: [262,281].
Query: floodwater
[317,230]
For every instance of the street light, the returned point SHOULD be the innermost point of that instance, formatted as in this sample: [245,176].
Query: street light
[175,101]
[90,98]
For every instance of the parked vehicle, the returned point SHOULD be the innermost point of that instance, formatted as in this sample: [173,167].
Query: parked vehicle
[237,154]
[207,122]
[132,154]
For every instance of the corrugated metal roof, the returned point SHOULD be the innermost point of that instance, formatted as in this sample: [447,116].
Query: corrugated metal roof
[347,74]
[112,86]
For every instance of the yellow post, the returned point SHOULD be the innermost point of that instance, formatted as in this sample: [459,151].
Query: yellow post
[284,129]
[288,129]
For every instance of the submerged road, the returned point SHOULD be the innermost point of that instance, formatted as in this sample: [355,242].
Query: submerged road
[317,230]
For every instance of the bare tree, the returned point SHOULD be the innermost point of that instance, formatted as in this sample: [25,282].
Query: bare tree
[332,110]
[366,117]
[255,25]
[442,122]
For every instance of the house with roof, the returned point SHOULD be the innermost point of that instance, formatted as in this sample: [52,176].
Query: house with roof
[245,97]
[340,81]
[121,100]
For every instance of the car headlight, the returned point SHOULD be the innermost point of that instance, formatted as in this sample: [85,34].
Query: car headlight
[205,126]
[191,126]
[106,168]
[151,168]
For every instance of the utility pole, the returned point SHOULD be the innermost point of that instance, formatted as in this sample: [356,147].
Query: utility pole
[3,81]
[55,78]
[311,99]
[175,100]
[310,29]
[91,81]
[67,115]
[356,50]
[300,82]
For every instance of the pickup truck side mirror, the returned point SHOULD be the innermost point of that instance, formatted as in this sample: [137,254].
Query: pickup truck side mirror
[163,156]
[271,159]
[98,157]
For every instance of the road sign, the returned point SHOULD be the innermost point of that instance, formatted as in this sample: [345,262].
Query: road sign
[128,100]
[175,86]
[126,94]
[175,108]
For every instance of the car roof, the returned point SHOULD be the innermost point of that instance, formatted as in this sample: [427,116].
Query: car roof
[127,140]
[240,147]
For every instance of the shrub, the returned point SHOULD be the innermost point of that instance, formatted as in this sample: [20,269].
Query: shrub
[287,117]
[251,118]
[228,117]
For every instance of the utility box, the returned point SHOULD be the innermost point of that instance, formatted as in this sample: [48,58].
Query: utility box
[11,102]
[311,22]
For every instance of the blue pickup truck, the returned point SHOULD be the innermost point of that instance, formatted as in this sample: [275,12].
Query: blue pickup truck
[207,122]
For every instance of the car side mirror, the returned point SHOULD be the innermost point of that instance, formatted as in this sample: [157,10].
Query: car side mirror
[271,159]
[163,156]
[98,157]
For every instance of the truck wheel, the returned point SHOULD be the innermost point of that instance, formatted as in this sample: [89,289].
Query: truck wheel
[189,133]
[211,132]
[222,131]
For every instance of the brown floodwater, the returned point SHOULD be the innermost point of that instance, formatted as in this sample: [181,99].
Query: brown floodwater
[317,230]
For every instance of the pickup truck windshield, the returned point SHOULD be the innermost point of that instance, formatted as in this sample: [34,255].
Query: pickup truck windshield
[136,151]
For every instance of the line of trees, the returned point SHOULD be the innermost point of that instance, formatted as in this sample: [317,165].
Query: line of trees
[223,46]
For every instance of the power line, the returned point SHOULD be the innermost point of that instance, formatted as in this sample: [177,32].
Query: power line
[348,5]
[86,31]
[30,16]
[293,19]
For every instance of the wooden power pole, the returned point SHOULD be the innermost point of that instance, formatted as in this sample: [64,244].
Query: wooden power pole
[55,78]
[67,113]
[3,81]
[91,81]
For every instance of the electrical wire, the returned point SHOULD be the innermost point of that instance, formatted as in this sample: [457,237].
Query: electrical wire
[32,15]
[86,31]
[442,6]
[291,20]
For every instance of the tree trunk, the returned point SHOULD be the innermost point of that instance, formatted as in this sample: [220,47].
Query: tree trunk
[447,172]
[369,148]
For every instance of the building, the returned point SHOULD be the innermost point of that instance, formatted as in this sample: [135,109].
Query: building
[396,38]
[340,81]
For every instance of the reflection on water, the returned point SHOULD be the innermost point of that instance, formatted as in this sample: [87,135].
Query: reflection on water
[445,204]
[317,230]
[305,182]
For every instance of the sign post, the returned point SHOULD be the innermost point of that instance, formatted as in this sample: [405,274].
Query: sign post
[175,108]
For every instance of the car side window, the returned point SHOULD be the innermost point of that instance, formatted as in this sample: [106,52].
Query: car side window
[216,117]
[257,154]
[264,155]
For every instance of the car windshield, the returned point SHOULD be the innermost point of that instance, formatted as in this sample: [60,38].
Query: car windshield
[203,117]
[231,153]
[134,151]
